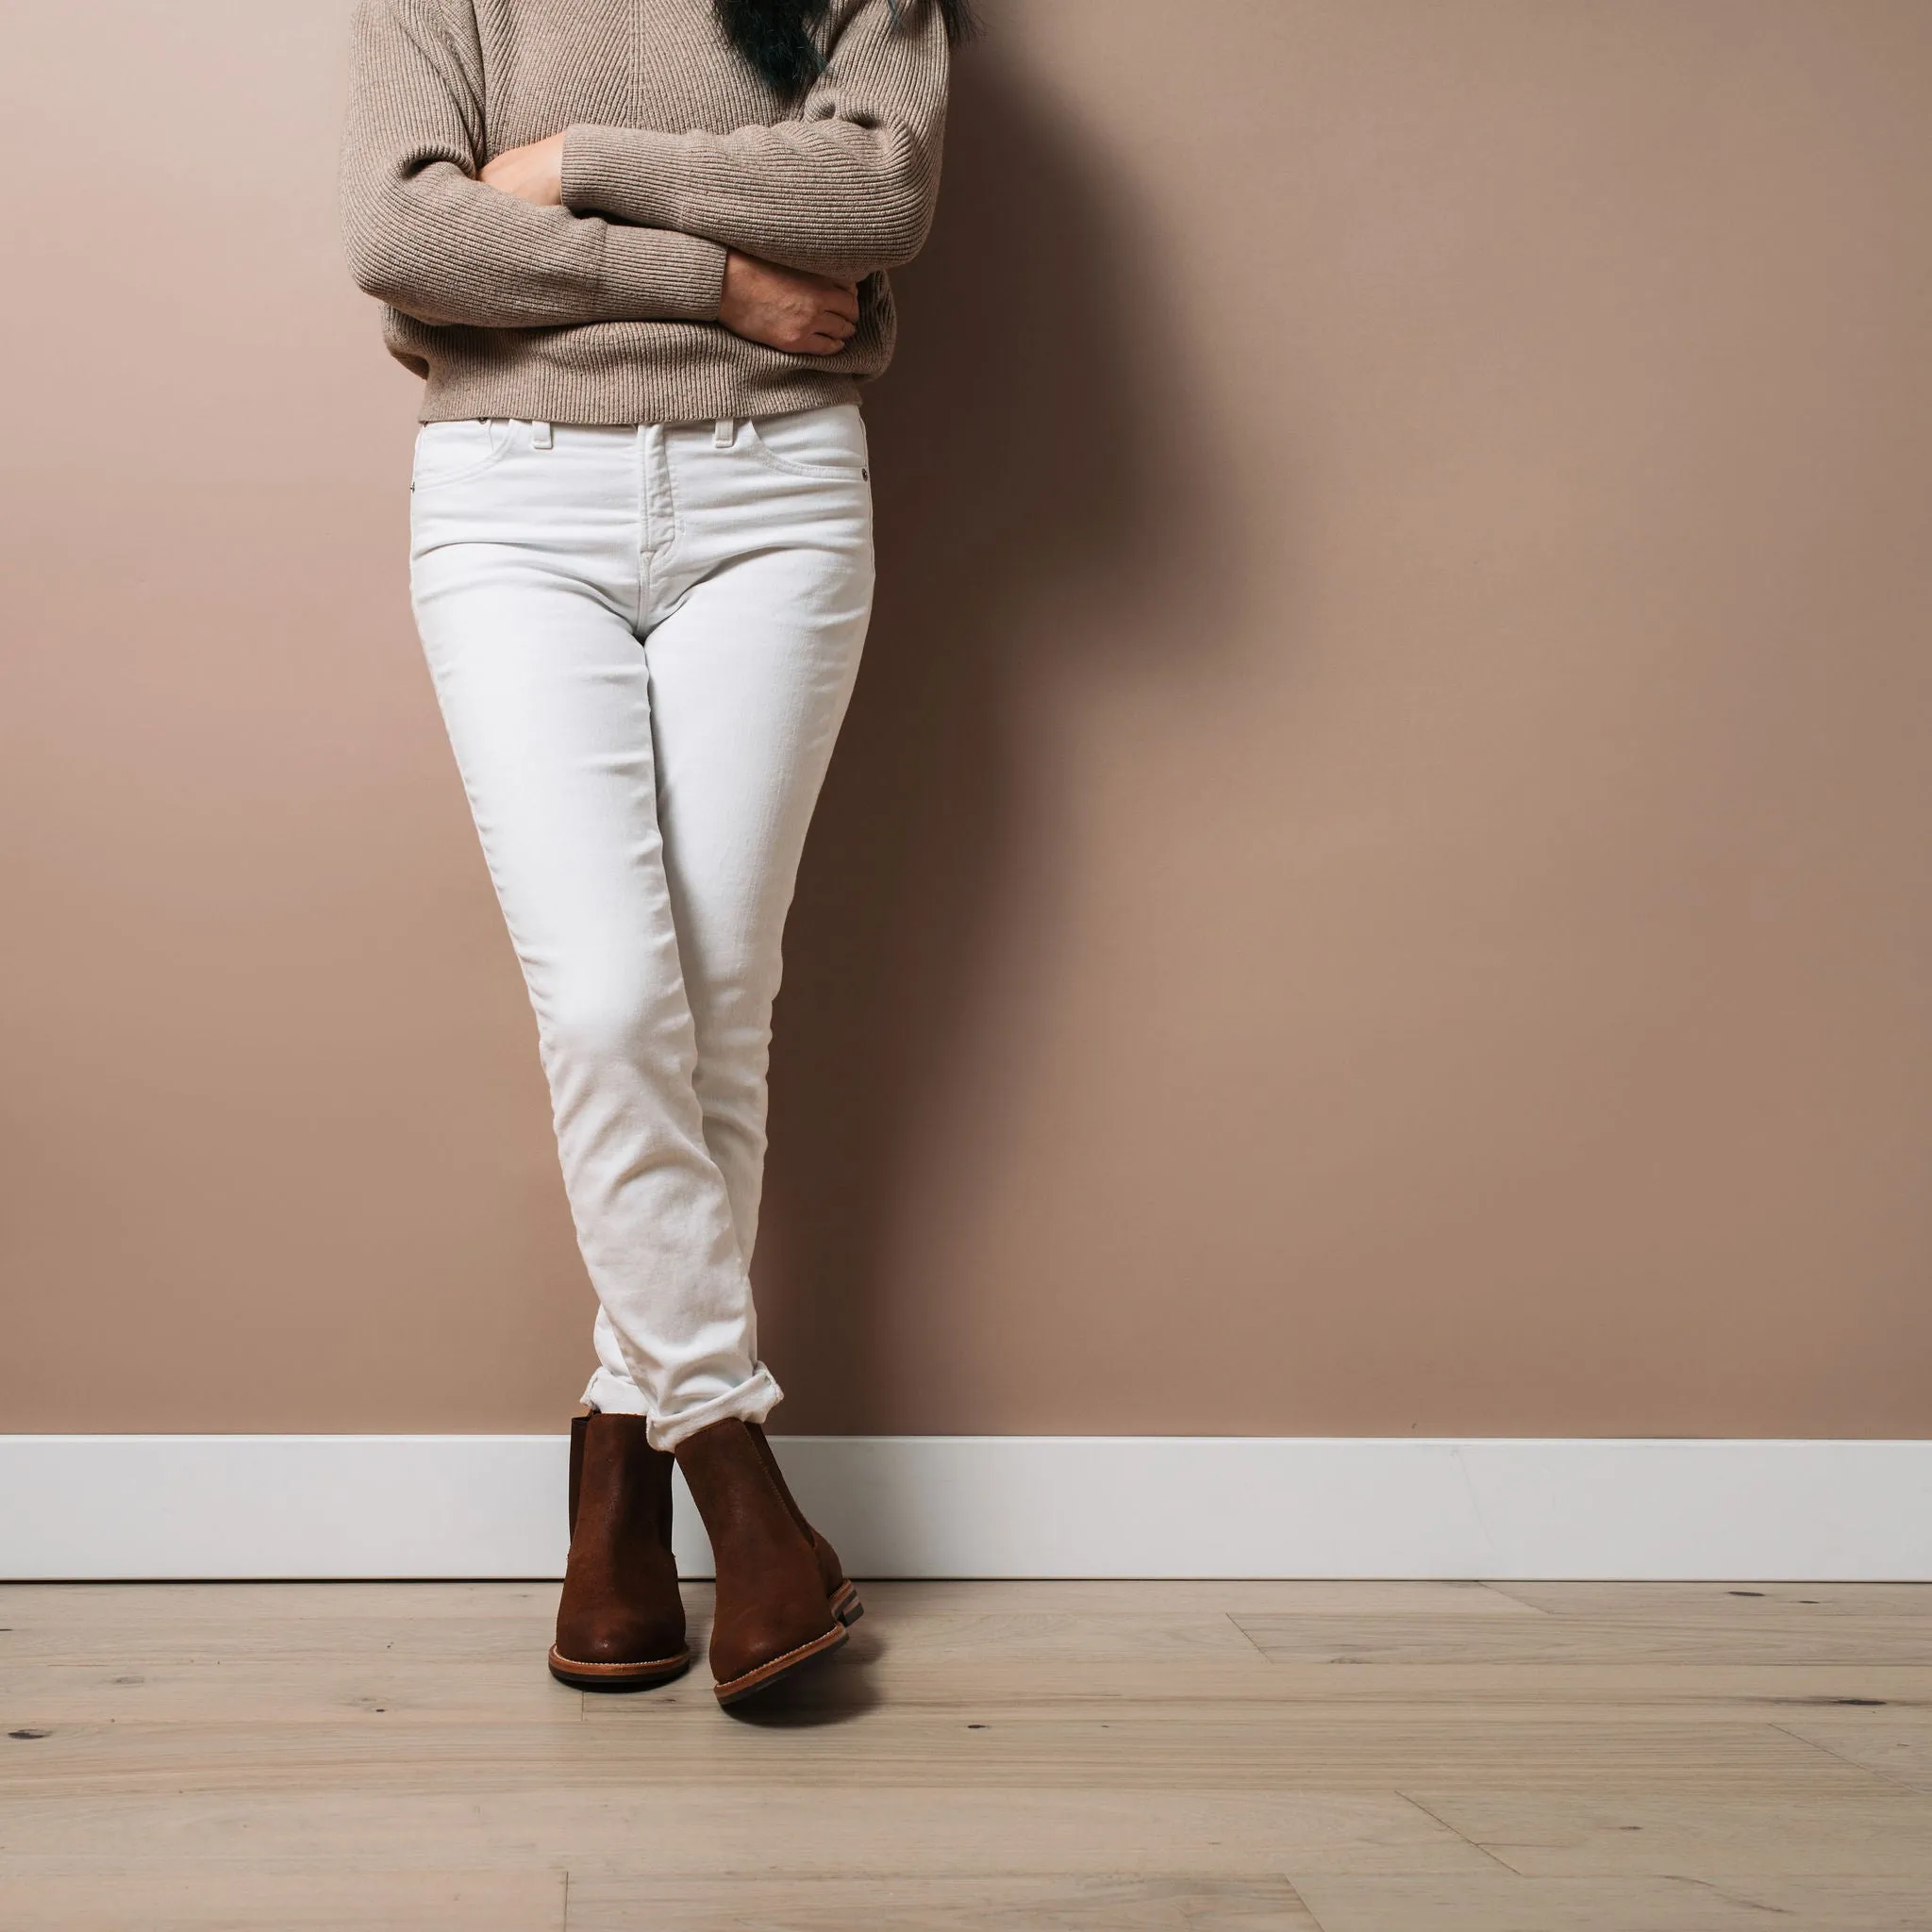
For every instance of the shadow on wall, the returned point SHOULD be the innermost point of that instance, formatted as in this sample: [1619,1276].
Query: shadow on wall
[1040,487]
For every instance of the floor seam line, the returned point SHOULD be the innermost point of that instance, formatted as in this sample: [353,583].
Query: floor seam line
[1247,1637]
[1885,1778]
[1472,1843]
[1509,1596]
[1287,1879]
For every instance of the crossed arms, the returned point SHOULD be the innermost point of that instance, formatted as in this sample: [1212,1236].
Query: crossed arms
[844,189]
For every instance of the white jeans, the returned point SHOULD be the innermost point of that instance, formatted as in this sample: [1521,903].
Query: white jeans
[643,639]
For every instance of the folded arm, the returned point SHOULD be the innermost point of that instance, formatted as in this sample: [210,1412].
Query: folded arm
[427,237]
[846,187]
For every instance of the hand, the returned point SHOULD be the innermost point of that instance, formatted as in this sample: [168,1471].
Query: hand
[532,172]
[786,309]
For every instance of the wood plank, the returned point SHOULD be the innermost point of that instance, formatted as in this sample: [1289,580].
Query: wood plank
[1836,1639]
[1153,1597]
[301,1630]
[186,1623]
[1170,1748]
[1882,1831]
[1496,1902]
[858,1679]
[711,1830]
[872,1669]
[219,1898]
[158,1605]
[245,1605]
[1192,1904]
[1735,1605]
[283,1692]
[291,1639]
[962,1638]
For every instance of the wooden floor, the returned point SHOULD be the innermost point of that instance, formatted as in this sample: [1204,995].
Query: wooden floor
[1121,1757]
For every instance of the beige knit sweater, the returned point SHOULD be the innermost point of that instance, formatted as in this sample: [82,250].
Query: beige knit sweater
[605,309]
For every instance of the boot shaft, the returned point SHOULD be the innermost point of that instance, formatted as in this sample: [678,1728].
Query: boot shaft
[620,1487]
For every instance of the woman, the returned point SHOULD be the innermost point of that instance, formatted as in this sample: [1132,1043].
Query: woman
[637,249]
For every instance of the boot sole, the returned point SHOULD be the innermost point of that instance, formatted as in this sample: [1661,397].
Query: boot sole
[637,1677]
[766,1675]
[846,1604]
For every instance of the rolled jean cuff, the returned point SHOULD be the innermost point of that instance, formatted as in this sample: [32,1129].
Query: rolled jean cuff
[751,1401]
[613,1395]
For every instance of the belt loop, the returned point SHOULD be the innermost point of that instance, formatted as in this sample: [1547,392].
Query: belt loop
[540,436]
[726,434]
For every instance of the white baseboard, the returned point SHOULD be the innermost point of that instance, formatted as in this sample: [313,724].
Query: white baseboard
[126,1507]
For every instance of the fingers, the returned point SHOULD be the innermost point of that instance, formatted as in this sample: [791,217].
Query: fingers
[802,314]
[830,331]
[843,301]
[828,292]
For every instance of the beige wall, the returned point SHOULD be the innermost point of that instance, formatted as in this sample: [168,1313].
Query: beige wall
[1378,878]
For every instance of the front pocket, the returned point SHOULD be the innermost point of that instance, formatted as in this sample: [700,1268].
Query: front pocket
[455,450]
[826,443]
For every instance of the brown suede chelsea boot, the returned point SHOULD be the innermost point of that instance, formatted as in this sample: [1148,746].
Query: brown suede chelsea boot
[841,1592]
[772,1615]
[620,1624]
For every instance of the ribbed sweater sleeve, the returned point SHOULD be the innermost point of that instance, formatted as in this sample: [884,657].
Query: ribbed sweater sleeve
[844,187]
[429,238]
